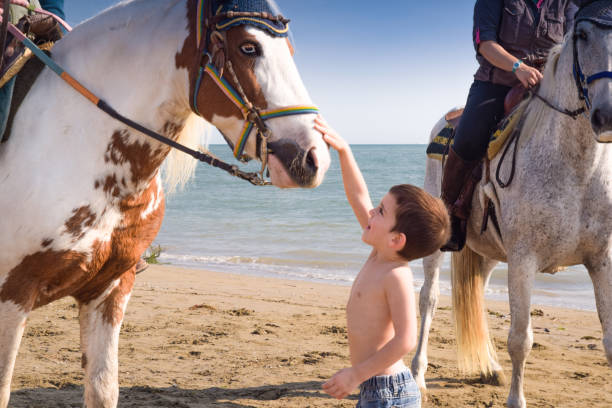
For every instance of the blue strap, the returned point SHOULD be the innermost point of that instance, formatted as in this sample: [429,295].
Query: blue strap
[599,75]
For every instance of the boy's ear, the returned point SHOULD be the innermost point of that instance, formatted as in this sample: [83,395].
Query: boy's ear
[398,240]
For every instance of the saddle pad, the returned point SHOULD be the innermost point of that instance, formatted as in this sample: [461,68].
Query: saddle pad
[504,129]
[439,145]
[20,61]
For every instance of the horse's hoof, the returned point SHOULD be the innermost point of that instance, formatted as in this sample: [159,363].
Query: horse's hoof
[496,378]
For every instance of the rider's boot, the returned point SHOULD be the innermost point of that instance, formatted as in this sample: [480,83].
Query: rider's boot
[458,182]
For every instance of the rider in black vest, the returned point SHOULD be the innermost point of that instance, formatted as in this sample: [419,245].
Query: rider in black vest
[512,39]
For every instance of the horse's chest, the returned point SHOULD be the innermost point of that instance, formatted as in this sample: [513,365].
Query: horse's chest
[100,250]
[140,223]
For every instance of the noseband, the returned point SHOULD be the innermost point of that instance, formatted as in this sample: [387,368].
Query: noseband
[210,35]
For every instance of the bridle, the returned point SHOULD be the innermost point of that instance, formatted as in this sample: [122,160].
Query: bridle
[213,61]
[582,80]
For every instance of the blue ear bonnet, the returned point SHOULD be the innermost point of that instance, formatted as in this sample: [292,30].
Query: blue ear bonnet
[276,27]
[598,12]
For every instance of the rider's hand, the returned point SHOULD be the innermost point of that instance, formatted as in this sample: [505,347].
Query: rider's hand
[330,136]
[528,76]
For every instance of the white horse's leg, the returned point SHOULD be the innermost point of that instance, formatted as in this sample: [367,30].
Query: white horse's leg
[521,274]
[601,275]
[428,301]
[497,375]
[12,323]
[100,321]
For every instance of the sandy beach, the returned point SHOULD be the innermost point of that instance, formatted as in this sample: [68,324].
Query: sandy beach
[194,338]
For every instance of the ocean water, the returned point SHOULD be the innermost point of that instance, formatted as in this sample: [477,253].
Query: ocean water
[221,223]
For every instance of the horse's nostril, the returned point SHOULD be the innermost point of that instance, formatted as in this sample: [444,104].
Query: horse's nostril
[596,119]
[311,160]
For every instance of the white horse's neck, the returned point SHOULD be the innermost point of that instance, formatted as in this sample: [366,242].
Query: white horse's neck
[560,136]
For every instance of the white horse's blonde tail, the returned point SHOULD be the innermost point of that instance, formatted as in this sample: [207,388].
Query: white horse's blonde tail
[475,351]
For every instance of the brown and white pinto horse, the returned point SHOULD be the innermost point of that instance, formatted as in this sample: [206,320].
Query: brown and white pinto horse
[81,194]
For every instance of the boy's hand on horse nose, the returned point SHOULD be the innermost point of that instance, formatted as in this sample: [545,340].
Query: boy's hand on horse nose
[330,136]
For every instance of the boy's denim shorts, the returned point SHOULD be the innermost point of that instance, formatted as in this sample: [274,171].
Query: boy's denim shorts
[390,391]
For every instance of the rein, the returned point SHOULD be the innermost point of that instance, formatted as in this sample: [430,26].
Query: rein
[571,113]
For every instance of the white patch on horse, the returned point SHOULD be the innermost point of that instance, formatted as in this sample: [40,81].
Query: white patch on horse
[156,199]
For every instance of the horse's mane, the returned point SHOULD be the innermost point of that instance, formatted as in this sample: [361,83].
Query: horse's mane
[180,167]
[552,88]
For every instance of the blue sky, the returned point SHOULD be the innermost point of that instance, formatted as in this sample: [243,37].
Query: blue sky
[380,71]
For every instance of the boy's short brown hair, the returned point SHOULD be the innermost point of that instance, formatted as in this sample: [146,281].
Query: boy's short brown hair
[422,218]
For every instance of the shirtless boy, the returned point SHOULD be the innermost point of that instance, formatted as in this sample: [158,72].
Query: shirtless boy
[381,319]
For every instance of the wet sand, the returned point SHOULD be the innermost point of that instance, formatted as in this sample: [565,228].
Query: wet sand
[194,338]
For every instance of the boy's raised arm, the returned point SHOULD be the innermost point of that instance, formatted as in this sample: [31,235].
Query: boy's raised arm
[354,185]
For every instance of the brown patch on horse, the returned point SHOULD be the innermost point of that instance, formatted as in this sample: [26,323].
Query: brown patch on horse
[128,242]
[109,185]
[81,219]
[45,276]
[143,158]
[46,242]
[83,361]
[189,56]
[112,308]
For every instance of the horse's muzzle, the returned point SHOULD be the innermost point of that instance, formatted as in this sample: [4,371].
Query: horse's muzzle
[601,121]
[301,166]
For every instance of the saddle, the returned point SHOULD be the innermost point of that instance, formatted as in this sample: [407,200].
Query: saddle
[438,147]
[441,143]
[44,31]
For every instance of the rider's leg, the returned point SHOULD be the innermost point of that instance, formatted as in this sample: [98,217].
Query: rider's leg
[483,110]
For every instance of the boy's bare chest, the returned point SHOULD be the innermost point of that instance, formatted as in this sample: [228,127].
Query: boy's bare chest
[367,292]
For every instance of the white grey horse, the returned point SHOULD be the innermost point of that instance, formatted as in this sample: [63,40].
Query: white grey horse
[555,213]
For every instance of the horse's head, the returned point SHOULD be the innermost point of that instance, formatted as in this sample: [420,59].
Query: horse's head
[245,82]
[593,64]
